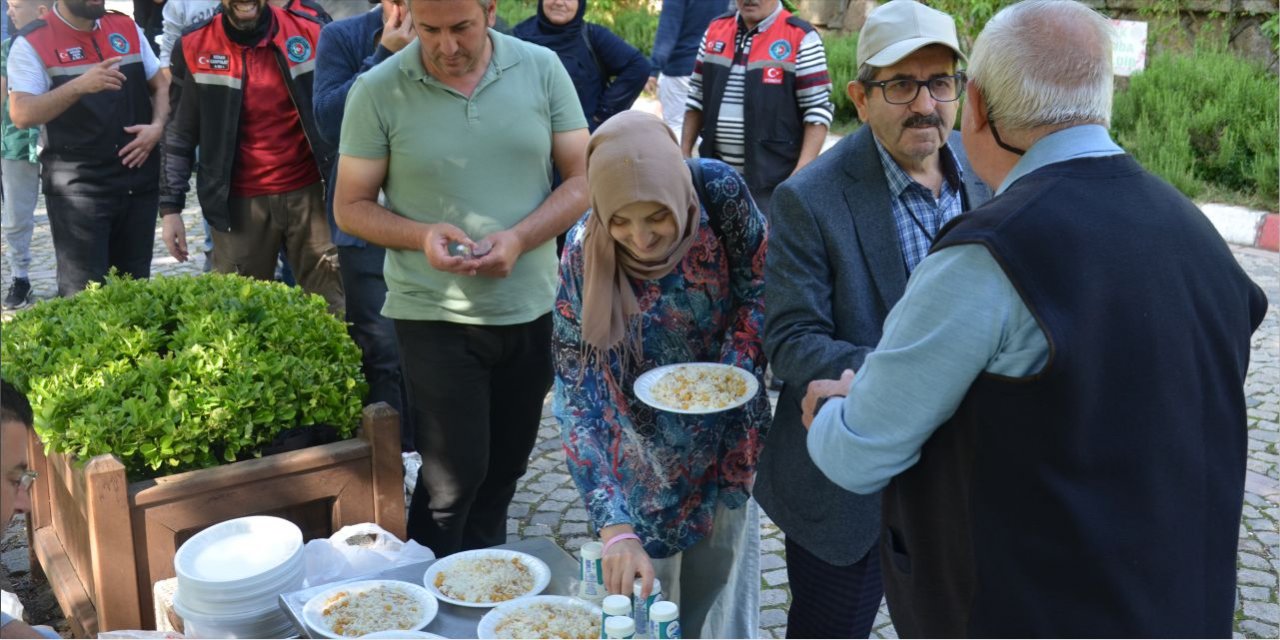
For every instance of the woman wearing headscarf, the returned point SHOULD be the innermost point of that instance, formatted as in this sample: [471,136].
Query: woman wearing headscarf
[608,73]
[653,276]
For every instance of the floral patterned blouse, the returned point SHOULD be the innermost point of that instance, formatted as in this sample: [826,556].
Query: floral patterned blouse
[664,473]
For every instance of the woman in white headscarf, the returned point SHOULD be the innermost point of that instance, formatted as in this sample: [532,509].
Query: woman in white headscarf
[654,276]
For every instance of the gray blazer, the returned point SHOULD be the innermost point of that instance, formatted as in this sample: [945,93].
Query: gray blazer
[833,271]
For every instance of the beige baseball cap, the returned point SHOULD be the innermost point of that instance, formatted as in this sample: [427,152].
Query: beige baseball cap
[897,29]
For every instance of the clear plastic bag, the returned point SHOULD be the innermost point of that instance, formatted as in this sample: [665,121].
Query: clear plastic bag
[357,550]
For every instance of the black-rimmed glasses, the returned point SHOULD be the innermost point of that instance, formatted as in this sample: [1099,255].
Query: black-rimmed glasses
[904,90]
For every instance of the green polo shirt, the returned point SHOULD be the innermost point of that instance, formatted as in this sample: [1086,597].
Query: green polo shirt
[15,143]
[481,163]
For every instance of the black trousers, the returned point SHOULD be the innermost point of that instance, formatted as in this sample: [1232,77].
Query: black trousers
[91,234]
[830,601]
[476,395]
[366,290]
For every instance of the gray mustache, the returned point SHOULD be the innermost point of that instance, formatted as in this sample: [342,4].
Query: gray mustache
[931,120]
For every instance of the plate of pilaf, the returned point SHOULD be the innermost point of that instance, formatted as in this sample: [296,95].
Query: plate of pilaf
[356,609]
[540,617]
[486,577]
[696,387]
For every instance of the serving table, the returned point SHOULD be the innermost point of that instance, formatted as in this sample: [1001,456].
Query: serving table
[452,621]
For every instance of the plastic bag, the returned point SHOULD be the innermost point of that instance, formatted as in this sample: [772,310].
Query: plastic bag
[357,550]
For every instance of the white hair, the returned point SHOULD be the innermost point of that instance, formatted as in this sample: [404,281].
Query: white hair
[1043,63]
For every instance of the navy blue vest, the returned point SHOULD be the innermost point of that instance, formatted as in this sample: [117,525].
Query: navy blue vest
[1101,496]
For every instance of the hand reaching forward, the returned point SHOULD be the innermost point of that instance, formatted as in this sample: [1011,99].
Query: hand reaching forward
[820,390]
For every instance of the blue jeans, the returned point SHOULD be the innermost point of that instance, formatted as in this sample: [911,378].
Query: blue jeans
[361,272]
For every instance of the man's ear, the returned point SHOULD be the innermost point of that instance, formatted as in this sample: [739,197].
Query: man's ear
[858,95]
[491,17]
[975,106]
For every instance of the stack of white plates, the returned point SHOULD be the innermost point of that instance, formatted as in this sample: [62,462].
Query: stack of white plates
[230,575]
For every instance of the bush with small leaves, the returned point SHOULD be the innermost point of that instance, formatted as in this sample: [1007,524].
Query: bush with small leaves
[180,373]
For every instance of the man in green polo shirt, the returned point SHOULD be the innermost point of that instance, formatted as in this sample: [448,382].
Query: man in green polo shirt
[19,168]
[460,130]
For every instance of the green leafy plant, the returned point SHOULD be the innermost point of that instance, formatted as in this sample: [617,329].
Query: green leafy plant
[172,374]
[1207,122]
[842,67]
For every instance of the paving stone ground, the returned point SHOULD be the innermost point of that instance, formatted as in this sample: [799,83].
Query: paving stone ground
[547,503]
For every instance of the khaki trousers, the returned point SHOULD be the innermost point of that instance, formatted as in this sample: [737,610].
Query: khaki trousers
[296,220]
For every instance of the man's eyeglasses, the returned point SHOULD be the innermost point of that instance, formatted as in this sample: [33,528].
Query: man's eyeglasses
[904,90]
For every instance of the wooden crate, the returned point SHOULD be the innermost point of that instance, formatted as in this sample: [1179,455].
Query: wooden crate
[103,542]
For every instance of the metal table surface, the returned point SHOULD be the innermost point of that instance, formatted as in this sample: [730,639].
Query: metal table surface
[452,621]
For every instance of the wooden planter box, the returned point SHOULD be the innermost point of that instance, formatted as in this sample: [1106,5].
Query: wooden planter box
[103,542]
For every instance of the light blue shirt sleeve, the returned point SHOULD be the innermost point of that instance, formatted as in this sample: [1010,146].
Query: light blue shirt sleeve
[960,316]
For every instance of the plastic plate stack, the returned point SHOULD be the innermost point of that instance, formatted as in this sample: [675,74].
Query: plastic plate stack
[230,575]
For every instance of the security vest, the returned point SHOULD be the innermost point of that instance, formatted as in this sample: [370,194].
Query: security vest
[82,145]
[215,66]
[772,118]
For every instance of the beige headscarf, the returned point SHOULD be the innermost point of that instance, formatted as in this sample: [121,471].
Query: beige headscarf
[632,157]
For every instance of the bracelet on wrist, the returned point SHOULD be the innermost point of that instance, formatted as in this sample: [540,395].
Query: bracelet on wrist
[618,538]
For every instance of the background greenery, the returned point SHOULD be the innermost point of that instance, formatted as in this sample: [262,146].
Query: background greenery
[172,374]
[1199,117]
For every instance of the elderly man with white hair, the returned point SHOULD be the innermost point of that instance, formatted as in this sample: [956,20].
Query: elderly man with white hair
[1057,405]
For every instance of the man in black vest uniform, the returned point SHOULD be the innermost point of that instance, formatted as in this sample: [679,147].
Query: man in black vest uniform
[759,96]
[89,77]
[1057,404]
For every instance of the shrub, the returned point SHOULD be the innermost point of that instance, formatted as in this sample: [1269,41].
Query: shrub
[631,20]
[172,374]
[1204,122]
[637,26]
[842,66]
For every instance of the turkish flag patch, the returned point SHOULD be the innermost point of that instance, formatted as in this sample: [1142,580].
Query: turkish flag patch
[773,75]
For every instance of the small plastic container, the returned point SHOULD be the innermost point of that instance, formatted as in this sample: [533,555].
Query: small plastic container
[619,627]
[641,607]
[664,621]
[591,572]
[613,605]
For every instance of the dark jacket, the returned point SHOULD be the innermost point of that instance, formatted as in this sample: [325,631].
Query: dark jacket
[207,66]
[1101,496]
[347,48]
[836,246]
[607,72]
[680,28]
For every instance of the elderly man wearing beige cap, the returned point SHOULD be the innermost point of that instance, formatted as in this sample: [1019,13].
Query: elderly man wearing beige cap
[847,231]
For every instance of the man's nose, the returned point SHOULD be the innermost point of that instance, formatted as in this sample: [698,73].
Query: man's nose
[924,102]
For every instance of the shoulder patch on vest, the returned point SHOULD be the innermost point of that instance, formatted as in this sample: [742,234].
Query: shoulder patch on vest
[298,49]
[119,43]
[779,49]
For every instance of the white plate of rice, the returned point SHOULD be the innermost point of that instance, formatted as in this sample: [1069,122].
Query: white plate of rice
[486,577]
[355,609]
[541,617]
[696,387]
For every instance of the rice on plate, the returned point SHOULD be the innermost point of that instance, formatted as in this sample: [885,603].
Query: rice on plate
[540,617]
[486,577]
[360,608]
[700,388]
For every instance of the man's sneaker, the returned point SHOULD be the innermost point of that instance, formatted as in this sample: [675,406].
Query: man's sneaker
[19,294]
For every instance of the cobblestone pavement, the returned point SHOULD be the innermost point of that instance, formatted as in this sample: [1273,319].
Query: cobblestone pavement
[547,503]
